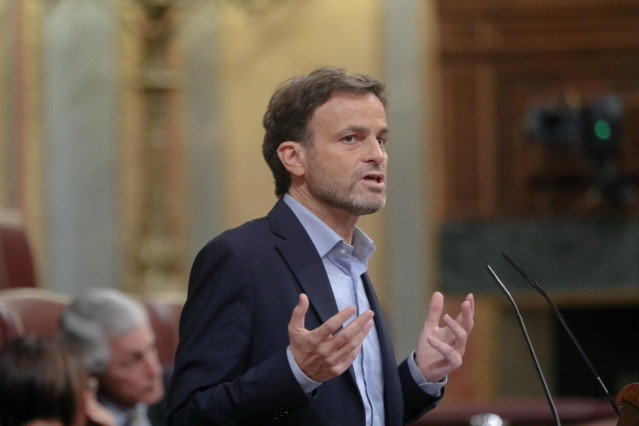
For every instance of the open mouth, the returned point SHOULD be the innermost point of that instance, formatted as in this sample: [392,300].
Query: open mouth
[377,178]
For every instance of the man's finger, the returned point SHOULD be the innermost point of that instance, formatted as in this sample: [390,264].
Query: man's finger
[349,351]
[471,299]
[465,317]
[453,358]
[297,318]
[335,322]
[356,330]
[342,348]
[468,315]
[460,334]
[435,309]
[348,342]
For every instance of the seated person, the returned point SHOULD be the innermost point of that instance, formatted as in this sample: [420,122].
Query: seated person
[42,383]
[113,335]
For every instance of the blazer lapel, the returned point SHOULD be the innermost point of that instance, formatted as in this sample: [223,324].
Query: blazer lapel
[308,269]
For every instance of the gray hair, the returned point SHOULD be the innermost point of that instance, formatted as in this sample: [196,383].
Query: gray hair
[96,317]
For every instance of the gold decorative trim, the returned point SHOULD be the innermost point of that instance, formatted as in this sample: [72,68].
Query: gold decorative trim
[152,187]
[32,168]
[131,125]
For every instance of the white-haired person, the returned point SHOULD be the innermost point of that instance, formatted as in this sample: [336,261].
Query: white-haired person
[113,335]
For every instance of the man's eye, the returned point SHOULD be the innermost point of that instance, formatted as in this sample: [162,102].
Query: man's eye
[349,138]
[132,360]
[382,142]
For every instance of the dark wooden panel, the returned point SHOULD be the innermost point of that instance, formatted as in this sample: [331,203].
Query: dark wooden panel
[487,26]
[535,178]
[460,147]
[499,60]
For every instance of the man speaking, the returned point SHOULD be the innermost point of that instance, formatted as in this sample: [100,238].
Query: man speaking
[281,324]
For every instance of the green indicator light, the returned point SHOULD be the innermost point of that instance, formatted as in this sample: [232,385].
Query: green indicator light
[602,129]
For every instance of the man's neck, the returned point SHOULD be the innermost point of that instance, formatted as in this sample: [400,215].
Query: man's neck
[339,220]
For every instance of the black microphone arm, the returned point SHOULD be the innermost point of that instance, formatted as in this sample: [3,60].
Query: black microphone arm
[541,291]
[530,347]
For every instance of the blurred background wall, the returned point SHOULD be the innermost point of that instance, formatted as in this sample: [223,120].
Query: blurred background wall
[130,135]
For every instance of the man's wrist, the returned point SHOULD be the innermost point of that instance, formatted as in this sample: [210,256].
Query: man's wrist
[307,384]
[433,389]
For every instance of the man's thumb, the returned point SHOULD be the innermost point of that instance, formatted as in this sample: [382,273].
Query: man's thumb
[297,318]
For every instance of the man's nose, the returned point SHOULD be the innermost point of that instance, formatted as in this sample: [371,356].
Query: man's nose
[152,363]
[374,151]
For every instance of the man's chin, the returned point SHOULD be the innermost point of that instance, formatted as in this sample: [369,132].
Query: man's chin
[153,397]
[355,202]
[369,206]
[363,210]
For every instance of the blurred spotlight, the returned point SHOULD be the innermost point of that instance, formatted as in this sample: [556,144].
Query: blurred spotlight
[596,129]
[601,122]
[487,419]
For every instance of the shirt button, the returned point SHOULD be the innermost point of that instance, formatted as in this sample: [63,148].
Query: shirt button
[343,251]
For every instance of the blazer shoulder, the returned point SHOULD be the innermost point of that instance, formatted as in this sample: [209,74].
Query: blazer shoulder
[259,235]
[241,235]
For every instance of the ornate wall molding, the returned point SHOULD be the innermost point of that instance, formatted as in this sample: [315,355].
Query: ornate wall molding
[130,136]
[155,258]
[31,192]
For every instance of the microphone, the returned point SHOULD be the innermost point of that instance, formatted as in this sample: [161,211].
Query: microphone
[559,316]
[530,347]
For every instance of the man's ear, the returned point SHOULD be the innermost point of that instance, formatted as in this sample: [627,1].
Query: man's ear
[292,155]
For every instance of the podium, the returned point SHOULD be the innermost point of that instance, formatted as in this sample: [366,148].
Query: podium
[628,400]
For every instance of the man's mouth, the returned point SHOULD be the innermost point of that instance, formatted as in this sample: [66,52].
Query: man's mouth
[377,179]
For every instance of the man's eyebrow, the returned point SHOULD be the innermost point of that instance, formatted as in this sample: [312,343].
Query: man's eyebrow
[355,129]
[363,129]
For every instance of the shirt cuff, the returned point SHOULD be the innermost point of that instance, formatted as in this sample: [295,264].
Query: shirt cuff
[432,389]
[307,384]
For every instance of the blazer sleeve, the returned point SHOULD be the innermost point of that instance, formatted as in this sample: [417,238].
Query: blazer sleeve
[416,401]
[213,382]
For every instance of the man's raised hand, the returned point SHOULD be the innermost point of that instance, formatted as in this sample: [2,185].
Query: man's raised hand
[319,353]
[440,349]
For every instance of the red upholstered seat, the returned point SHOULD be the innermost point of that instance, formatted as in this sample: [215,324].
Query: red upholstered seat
[16,262]
[30,311]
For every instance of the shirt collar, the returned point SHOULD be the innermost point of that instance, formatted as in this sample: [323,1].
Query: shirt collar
[122,415]
[323,237]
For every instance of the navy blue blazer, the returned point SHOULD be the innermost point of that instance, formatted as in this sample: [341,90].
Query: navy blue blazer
[231,366]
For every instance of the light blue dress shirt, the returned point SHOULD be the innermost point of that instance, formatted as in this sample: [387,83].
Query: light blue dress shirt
[345,265]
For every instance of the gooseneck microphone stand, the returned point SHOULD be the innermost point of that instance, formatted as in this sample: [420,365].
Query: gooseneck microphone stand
[530,347]
[541,291]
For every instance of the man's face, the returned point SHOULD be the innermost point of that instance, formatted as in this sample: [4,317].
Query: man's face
[345,166]
[134,373]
